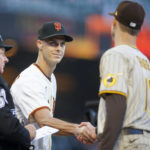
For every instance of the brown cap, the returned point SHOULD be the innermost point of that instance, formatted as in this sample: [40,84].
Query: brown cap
[130,14]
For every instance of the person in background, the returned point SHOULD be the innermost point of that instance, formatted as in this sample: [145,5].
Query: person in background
[13,136]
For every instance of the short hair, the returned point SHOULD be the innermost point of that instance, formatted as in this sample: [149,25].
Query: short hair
[133,32]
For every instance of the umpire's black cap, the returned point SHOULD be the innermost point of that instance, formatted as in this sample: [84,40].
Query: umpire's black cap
[130,14]
[2,45]
[52,29]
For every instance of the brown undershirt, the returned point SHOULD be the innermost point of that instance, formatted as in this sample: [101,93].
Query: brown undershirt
[115,112]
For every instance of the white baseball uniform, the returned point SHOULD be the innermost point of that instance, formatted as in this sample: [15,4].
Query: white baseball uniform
[32,91]
[125,70]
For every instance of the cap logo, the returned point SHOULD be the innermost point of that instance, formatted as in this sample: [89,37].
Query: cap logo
[116,13]
[132,24]
[57,26]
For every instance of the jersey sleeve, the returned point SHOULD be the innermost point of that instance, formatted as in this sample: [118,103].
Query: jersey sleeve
[113,74]
[29,96]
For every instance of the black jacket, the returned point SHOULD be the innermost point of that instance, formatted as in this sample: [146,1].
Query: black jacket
[13,136]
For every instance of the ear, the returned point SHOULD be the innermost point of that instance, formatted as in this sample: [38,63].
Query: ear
[114,22]
[39,44]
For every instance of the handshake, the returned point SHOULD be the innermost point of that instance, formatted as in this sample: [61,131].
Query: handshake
[86,133]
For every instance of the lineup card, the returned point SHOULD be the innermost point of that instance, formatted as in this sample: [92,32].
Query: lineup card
[44,131]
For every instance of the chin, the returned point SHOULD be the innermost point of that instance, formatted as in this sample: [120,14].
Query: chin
[56,61]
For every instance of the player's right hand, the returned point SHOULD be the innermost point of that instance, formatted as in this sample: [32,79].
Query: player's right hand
[32,130]
[87,133]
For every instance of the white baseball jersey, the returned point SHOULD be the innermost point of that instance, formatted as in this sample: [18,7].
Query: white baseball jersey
[32,91]
[125,70]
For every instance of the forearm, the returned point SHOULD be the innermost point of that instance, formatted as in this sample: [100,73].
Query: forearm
[115,111]
[43,118]
[12,130]
[65,128]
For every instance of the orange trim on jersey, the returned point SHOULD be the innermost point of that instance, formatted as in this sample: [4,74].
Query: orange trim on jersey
[113,92]
[37,110]
[42,71]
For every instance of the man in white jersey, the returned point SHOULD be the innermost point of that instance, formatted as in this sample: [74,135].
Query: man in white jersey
[34,91]
[124,109]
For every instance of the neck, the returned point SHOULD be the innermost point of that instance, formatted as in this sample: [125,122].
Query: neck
[48,69]
[123,38]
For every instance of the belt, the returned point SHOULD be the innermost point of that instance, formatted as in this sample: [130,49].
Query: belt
[127,131]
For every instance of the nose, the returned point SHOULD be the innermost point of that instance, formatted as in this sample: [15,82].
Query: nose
[59,47]
[6,60]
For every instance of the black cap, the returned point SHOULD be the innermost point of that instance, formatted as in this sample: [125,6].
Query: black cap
[52,29]
[130,14]
[2,45]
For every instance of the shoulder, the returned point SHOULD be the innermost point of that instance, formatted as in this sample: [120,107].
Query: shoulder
[30,75]
[121,52]
[31,71]
[116,50]
[111,53]
[142,56]
[30,78]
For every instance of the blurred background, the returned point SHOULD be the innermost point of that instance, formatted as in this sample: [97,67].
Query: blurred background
[78,74]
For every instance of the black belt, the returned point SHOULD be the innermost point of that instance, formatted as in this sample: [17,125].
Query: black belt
[127,131]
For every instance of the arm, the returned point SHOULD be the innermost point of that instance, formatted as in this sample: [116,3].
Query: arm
[115,108]
[43,118]
[11,130]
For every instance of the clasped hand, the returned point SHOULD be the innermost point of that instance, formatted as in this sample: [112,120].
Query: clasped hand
[87,133]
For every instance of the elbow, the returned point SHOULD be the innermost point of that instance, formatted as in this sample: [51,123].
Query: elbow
[42,123]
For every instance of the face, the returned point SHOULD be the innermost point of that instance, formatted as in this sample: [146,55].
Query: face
[52,49]
[3,60]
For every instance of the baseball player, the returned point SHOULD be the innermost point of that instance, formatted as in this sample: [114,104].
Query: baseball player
[124,109]
[13,136]
[34,91]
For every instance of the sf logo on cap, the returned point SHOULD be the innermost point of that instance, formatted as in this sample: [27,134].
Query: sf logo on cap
[57,26]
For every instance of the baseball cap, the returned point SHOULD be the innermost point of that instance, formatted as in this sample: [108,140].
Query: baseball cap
[130,14]
[52,29]
[2,45]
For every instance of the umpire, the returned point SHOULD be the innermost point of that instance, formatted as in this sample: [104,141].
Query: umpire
[13,136]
